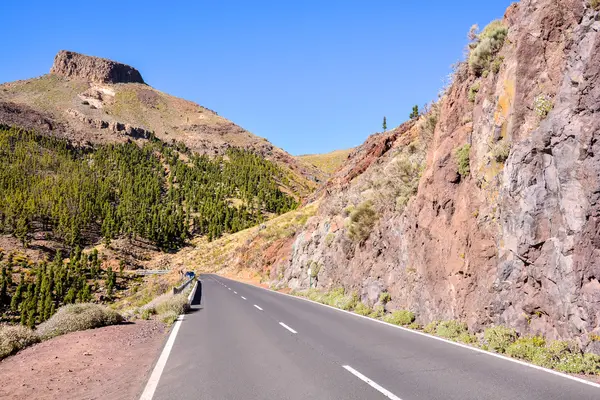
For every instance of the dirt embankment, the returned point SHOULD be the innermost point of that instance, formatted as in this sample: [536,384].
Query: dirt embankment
[107,363]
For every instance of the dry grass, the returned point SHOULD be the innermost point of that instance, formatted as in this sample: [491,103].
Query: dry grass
[78,317]
[14,338]
[328,162]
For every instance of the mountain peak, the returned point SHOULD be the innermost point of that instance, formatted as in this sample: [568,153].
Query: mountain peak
[94,69]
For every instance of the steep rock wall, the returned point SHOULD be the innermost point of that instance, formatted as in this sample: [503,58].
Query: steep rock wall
[514,242]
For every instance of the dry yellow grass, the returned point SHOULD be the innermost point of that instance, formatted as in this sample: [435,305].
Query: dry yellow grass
[329,162]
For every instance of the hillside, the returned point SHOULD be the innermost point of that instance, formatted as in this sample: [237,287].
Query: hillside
[485,208]
[327,162]
[89,100]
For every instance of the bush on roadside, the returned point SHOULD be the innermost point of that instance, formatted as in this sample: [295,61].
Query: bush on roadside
[451,329]
[498,338]
[14,338]
[177,304]
[430,327]
[362,309]
[400,317]
[78,317]
[378,312]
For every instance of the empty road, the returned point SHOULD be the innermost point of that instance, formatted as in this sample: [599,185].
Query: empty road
[244,342]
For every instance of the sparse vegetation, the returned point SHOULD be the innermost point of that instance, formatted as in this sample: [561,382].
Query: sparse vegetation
[473,90]
[362,309]
[542,105]
[497,64]
[499,338]
[485,45]
[462,155]
[328,162]
[362,221]
[559,355]
[14,338]
[400,317]
[78,317]
[501,150]
[595,4]
[427,127]
[384,297]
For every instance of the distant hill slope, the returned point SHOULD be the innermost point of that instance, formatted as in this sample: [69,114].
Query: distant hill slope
[328,162]
[90,100]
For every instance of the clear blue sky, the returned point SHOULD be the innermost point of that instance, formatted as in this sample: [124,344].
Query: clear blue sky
[309,75]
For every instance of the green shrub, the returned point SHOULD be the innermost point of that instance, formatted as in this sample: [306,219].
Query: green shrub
[14,338]
[595,4]
[362,221]
[501,150]
[177,304]
[314,295]
[487,44]
[462,155]
[384,297]
[526,348]
[416,326]
[147,313]
[542,105]
[473,90]
[497,64]
[431,327]
[467,338]
[78,317]
[400,317]
[362,309]
[315,268]
[498,338]
[378,312]
[451,329]
[169,317]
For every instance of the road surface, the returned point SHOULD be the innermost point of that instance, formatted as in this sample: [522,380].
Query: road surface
[244,342]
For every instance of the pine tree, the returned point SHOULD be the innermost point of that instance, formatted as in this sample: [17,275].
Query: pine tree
[384,124]
[415,112]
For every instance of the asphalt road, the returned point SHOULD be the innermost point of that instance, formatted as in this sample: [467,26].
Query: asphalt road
[243,342]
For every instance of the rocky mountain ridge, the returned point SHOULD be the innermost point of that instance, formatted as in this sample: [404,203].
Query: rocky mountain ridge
[91,100]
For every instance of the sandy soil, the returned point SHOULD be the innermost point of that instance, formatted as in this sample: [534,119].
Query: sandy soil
[110,363]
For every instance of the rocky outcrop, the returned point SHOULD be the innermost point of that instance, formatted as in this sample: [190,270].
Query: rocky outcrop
[93,69]
[112,126]
[516,241]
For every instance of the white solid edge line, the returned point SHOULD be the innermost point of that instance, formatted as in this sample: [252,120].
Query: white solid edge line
[243,297]
[550,371]
[152,383]
[258,307]
[287,327]
[371,383]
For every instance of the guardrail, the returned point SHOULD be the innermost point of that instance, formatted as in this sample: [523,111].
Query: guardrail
[151,271]
[181,288]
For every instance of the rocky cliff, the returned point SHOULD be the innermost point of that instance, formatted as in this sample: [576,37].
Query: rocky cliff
[485,209]
[93,69]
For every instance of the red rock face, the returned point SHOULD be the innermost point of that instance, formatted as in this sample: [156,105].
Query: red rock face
[517,240]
